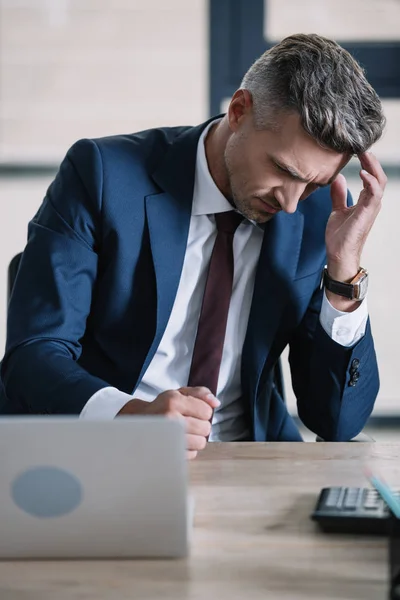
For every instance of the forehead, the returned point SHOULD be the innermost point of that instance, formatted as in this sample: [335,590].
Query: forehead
[289,143]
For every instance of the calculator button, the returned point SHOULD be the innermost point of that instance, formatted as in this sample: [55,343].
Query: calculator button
[372,500]
[352,498]
[334,495]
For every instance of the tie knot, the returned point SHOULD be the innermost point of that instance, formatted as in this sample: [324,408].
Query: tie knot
[228,222]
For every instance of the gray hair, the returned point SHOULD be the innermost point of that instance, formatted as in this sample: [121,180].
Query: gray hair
[325,85]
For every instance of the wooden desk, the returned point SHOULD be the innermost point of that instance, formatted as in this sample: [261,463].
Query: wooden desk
[252,538]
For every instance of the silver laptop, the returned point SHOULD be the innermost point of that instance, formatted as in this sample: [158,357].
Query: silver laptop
[72,488]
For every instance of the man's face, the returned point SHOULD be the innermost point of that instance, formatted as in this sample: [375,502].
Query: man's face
[272,170]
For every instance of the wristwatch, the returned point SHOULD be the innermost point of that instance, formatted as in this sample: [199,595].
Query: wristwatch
[356,289]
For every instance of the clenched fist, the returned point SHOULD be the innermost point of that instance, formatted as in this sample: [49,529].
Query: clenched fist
[193,404]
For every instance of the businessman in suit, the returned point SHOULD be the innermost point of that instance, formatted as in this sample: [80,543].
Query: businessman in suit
[166,271]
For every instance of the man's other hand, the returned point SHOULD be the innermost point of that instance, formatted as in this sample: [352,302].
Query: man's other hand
[193,404]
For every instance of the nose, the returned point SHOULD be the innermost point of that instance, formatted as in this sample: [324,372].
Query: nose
[290,195]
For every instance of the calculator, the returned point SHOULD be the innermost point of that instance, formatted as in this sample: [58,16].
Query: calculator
[352,510]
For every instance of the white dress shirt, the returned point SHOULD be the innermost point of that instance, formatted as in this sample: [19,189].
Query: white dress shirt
[169,368]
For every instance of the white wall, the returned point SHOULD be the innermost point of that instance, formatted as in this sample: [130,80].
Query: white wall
[86,68]
[342,20]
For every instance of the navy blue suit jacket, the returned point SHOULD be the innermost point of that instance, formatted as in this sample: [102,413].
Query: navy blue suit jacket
[99,275]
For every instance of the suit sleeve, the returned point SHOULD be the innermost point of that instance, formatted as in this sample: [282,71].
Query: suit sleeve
[52,294]
[335,386]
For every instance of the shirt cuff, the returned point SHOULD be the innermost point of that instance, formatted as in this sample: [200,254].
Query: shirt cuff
[105,404]
[344,328]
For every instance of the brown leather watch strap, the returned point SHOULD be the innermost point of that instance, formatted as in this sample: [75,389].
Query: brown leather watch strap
[341,288]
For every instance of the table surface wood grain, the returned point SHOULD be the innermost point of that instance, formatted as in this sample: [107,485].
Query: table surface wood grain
[252,537]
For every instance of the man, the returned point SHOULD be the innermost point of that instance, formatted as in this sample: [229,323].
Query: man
[129,301]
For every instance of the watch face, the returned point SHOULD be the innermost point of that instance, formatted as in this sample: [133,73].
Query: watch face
[362,288]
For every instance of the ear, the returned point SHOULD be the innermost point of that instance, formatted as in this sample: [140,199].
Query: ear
[239,108]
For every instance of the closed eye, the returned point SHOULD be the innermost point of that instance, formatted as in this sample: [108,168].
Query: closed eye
[296,177]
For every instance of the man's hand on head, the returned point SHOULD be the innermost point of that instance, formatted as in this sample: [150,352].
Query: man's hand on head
[348,226]
[193,404]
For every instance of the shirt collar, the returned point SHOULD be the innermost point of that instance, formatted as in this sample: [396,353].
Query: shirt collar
[207,199]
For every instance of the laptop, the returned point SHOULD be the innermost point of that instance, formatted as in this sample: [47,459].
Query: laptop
[71,488]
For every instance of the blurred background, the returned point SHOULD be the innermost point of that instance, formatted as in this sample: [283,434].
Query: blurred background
[88,68]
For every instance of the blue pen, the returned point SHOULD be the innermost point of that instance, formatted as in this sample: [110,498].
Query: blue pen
[386,493]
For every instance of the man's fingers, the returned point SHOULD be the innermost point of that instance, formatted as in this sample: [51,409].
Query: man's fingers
[202,393]
[374,180]
[197,426]
[371,164]
[339,193]
[372,193]
[189,406]
[195,442]
[191,454]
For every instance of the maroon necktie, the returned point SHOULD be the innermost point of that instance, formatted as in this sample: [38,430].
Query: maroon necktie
[207,353]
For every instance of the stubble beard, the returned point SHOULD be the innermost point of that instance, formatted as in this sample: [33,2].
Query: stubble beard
[242,203]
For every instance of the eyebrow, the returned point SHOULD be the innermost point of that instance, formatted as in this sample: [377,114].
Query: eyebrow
[295,175]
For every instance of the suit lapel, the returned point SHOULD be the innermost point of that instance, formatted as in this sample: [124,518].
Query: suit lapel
[275,271]
[168,216]
[168,225]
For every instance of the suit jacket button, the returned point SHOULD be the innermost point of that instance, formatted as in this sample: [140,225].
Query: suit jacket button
[355,363]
